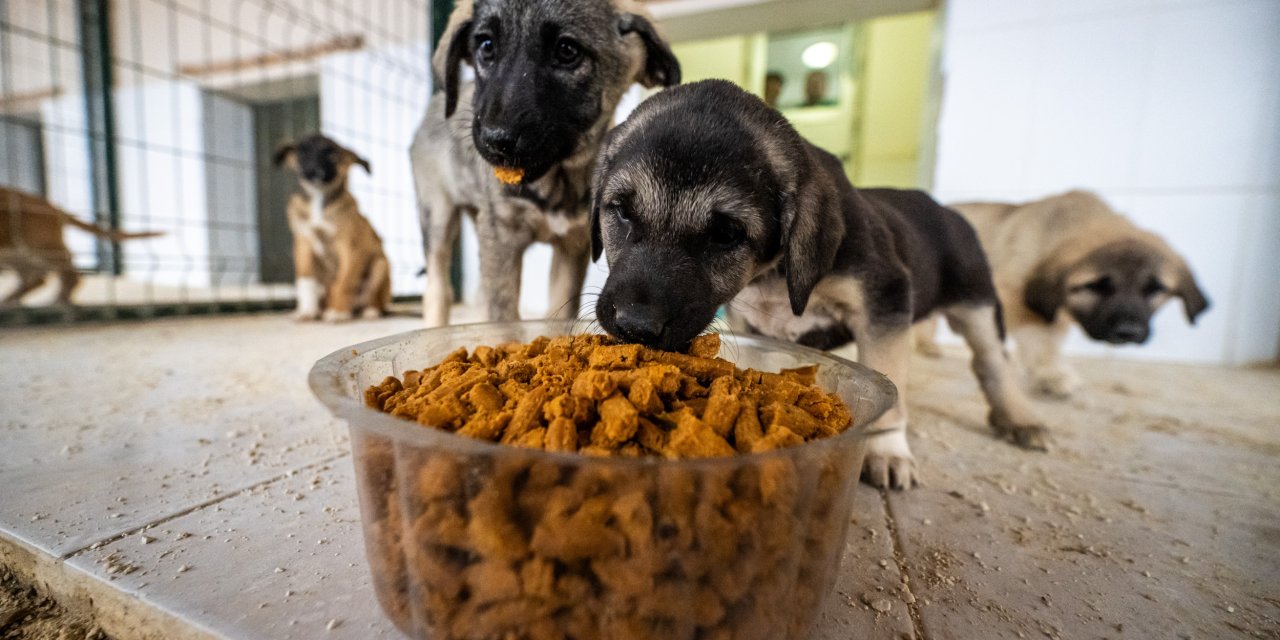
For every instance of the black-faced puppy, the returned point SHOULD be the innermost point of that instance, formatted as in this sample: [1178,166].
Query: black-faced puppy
[706,196]
[1071,258]
[549,75]
[338,259]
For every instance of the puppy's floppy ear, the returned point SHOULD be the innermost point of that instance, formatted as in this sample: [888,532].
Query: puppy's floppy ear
[811,232]
[1194,301]
[597,185]
[356,159]
[285,156]
[660,65]
[597,245]
[453,48]
[1046,290]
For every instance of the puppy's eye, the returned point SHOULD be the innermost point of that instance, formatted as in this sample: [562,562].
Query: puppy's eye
[725,232]
[567,53]
[486,50]
[1154,287]
[1101,286]
[619,210]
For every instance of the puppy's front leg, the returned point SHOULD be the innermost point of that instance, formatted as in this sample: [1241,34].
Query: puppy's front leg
[889,462]
[1011,414]
[501,259]
[440,224]
[307,288]
[346,284]
[1040,350]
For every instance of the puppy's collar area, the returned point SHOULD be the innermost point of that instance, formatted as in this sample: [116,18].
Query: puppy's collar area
[325,193]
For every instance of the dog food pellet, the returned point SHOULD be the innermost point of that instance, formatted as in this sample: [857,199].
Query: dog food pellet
[509,175]
[587,394]
[511,545]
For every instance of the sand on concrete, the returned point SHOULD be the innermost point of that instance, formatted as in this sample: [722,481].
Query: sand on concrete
[179,475]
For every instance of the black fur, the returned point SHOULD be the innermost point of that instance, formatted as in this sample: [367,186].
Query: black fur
[661,66]
[318,157]
[910,254]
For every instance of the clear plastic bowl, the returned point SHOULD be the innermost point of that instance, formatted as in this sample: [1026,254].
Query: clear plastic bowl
[471,539]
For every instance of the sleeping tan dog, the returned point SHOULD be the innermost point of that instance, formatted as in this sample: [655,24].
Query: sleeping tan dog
[338,259]
[1071,258]
[31,243]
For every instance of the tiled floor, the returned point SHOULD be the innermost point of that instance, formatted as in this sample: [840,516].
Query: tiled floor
[184,464]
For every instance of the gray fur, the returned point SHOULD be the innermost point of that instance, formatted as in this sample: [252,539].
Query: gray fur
[451,160]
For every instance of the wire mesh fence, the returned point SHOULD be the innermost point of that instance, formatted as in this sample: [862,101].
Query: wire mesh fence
[163,115]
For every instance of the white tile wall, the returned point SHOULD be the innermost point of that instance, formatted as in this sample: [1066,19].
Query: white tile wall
[1170,109]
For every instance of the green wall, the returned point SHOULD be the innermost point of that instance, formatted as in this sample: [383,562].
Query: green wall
[895,79]
[879,128]
[726,58]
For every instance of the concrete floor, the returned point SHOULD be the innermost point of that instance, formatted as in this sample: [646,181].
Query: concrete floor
[177,480]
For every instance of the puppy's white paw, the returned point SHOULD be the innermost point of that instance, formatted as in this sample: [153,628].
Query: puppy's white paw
[334,315]
[306,315]
[371,313]
[889,463]
[1056,382]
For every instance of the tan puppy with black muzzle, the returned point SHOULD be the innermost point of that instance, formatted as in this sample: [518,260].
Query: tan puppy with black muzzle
[338,259]
[1071,258]
[706,197]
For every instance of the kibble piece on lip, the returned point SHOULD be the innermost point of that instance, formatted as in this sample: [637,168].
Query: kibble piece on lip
[509,175]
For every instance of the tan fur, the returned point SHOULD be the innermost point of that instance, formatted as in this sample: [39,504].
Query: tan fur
[31,243]
[1052,234]
[1048,241]
[340,250]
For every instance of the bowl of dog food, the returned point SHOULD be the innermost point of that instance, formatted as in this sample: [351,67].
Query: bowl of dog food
[522,481]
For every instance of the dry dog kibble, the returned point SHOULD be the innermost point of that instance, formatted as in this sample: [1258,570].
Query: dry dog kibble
[520,546]
[527,395]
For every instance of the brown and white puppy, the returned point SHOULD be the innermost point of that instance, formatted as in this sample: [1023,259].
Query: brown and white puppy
[549,75]
[706,196]
[1071,258]
[31,243]
[337,256]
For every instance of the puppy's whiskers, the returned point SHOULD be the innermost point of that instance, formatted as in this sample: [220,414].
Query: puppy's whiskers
[729,347]
[741,305]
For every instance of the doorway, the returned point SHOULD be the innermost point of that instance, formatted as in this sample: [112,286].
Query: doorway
[275,123]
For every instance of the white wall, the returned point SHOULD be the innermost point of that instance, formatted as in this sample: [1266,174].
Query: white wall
[1170,109]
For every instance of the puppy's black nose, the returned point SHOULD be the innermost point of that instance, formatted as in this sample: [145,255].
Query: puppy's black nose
[1129,331]
[640,323]
[499,141]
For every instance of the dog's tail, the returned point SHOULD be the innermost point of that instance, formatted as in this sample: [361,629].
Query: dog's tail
[109,234]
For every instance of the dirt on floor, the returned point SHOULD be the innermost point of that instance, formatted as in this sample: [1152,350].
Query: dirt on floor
[27,614]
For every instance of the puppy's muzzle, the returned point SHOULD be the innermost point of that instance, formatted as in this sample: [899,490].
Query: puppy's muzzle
[640,323]
[1128,332]
[499,142]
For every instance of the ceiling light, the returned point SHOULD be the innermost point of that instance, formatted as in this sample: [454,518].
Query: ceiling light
[819,55]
